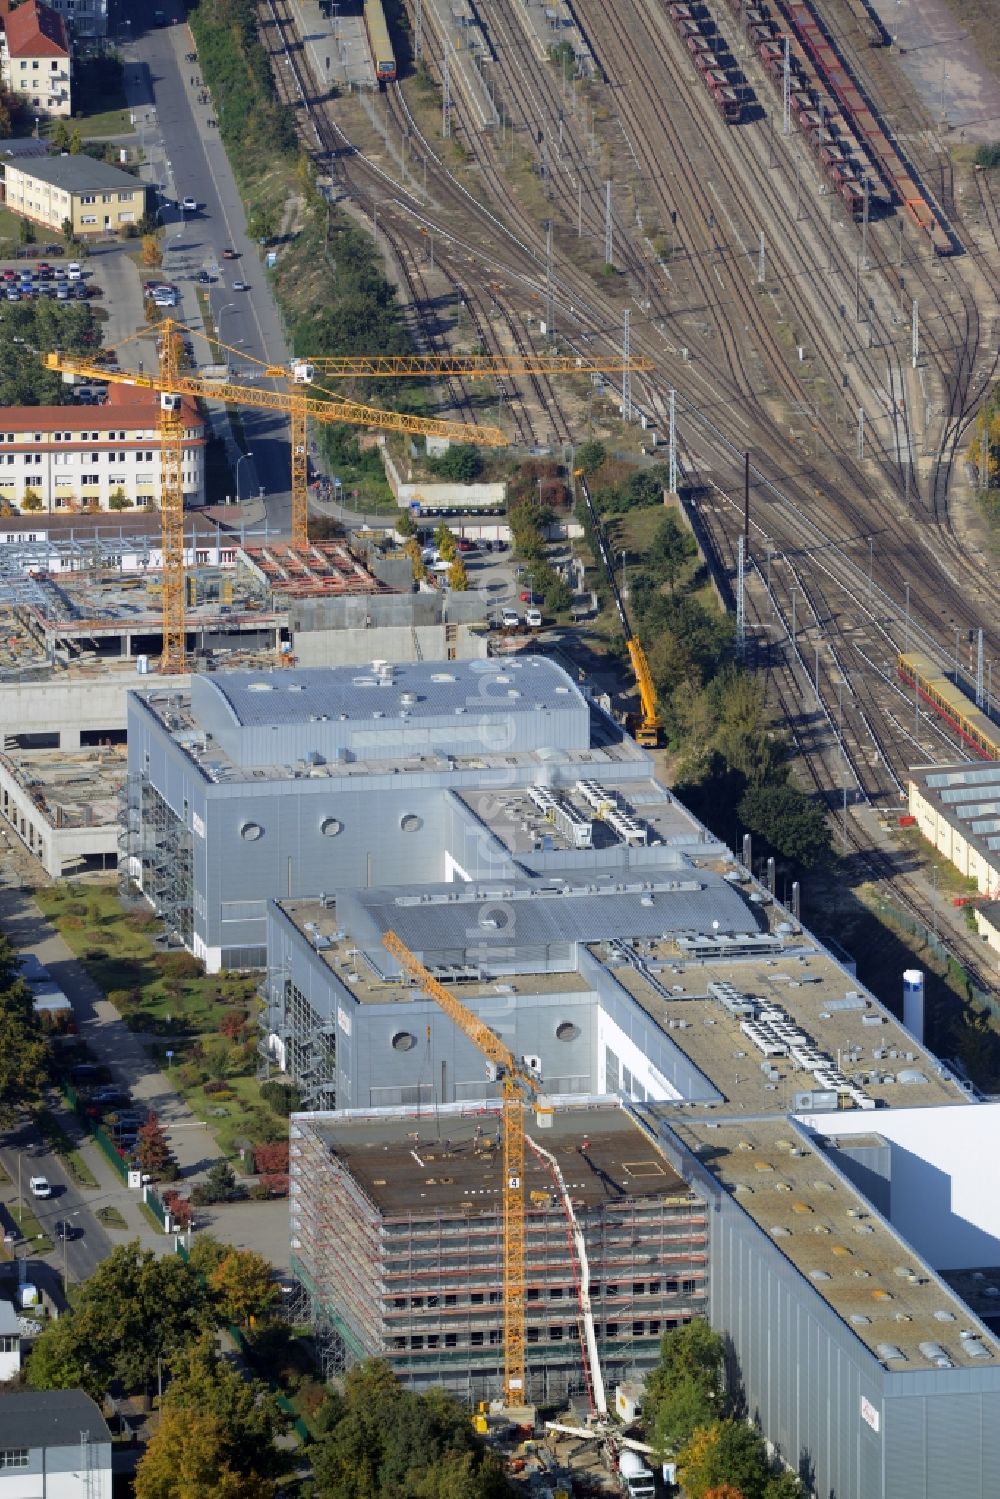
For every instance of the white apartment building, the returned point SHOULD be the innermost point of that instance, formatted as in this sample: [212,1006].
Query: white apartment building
[35,56]
[107,457]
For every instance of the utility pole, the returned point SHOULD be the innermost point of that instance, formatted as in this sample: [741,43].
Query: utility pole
[609,249]
[741,624]
[672,444]
[915,334]
[549,296]
[861,440]
[760,261]
[786,92]
[864,223]
[980,667]
[746,502]
[626,370]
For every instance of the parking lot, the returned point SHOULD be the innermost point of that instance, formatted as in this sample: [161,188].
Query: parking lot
[50,276]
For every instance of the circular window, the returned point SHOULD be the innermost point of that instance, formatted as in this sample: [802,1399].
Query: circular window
[330,827]
[403,1041]
[567,1031]
[497,917]
[411,823]
[251,831]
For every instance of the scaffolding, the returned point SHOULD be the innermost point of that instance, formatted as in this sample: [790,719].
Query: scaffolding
[421,1286]
[156,854]
[296,1042]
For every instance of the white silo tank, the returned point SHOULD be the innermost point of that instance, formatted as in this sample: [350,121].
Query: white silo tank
[913,1002]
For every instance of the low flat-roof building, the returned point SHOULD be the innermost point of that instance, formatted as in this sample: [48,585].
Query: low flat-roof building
[957,808]
[64,806]
[94,197]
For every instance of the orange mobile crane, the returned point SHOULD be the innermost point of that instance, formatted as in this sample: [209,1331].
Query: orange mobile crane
[173,383]
[518,1086]
[647,725]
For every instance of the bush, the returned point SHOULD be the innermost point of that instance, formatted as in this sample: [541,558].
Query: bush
[217,1086]
[260,1192]
[179,965]
[276,1185]
[988,155]
[268,1159]
[283,1098]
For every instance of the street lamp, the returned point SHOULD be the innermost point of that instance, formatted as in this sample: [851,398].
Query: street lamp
[241,459]
[218,321]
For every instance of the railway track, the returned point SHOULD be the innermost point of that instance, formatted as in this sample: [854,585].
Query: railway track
[828,576]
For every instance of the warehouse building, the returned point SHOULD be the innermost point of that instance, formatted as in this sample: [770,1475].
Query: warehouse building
[957,808]
[722,1084]
[291,783]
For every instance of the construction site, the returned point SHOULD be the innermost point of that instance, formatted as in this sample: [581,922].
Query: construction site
[397,1231]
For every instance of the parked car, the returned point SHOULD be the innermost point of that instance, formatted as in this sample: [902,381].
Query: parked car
[65,1230]
[533,619]
[189,205]
[13,295]
[9,274]
[510,619]
[204,279]
[39,1186]
[228,254]
[74,271]
[62,292]
[241,286]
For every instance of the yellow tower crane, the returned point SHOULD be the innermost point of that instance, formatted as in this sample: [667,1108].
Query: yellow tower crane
[415,366]
[518,1086]
[172,383]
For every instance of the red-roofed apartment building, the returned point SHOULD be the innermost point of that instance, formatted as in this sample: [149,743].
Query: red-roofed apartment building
[35,56]
[77,456]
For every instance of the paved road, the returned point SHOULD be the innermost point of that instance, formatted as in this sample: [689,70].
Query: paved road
[187,159]
[68,1203]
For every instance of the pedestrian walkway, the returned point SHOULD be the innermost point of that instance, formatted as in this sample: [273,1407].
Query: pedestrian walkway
[103,1029]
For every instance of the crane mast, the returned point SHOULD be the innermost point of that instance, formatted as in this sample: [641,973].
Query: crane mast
[517,1086]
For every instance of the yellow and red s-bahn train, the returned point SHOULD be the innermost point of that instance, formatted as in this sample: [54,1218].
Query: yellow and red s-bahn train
[950,703]
[378,39]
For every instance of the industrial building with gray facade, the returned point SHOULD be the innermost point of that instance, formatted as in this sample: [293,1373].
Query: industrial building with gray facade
[743,1130]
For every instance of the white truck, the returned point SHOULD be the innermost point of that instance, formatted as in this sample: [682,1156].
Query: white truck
[637,1481]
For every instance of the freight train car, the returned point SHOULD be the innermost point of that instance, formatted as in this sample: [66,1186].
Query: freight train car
[378,40]
[950,703]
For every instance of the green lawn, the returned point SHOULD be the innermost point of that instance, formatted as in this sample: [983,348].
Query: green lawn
[27,1222]
[164,995]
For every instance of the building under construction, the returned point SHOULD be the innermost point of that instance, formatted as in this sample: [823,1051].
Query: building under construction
[397,1236]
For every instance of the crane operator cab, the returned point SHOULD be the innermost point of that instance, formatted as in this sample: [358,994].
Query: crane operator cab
[303,373]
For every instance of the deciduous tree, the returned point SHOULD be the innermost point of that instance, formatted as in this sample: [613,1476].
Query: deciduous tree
[184,1460]
[242,1284]
[24,1051]
[153,1149]
[136,1308]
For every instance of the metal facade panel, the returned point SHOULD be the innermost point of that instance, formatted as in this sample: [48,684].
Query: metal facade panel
[953,1446]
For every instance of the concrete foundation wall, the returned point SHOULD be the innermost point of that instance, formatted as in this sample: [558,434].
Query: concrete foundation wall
[387,643]
[70,705]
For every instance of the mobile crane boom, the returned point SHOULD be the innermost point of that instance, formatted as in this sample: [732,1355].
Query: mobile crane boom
[518,1086]
[649,727]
